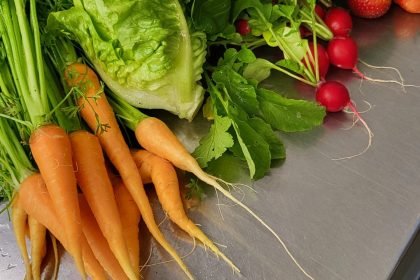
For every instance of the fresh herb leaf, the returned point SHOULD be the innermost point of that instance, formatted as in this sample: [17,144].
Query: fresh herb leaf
[240,91]
[255,149]
[215,143]
[230,168]
[277,149]
[291,65]
[211,16]
[289,115]
[258,70]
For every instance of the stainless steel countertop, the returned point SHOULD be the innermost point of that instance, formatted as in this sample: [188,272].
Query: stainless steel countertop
[349,219]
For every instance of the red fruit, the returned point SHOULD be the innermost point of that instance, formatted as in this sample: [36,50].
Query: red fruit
[333,95]
[323,60]
[343,52]
[339,21]
[304,32]
[242,27]
[369,8]
[320,11]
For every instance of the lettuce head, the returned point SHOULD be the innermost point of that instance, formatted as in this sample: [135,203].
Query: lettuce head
[143,50]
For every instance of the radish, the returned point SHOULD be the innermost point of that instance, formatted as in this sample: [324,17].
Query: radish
[320,11]
[335,97]
[343,53]
[339,21]
[242,27]
[323,60]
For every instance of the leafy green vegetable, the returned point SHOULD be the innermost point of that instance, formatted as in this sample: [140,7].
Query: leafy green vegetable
[289,115]
[277,150]
[255,149]
[216,142]
[211,16]
[143,50]
[249,114]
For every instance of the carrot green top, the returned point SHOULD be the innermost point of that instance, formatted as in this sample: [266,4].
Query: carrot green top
[36,89]
[22,48]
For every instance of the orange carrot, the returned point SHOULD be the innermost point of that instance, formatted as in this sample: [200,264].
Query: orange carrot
[35,200]
[162,174]
[155,136]
[130,218]
[51,149]
[37,236]
[19,222]
[94,106]
[93,179]
[98,243]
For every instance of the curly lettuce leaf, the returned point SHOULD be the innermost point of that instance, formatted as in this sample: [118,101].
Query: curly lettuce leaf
[142,49]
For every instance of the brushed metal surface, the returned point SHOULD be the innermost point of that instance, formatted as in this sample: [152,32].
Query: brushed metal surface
[348,219]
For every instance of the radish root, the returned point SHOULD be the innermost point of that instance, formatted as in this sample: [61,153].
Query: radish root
[383,67]
[364,77]
[369,131]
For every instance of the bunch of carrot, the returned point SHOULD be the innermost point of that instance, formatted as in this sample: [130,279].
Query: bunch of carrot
[58,172]
[61,175]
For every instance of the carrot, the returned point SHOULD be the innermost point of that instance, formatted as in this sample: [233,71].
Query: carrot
[162,174]
[130,218]
[98,243]
[155,136]
[37,235]
[94,106]
[51,149]
[19,221]
[93,179]
[35,200]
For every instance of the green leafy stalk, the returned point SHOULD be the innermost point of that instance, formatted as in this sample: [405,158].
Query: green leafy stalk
[316,25]
[23,52]
[129,115]
[12,147]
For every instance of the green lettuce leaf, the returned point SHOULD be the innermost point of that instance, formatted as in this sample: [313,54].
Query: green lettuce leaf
[143,50]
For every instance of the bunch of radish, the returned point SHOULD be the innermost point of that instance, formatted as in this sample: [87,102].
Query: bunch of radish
[342,52]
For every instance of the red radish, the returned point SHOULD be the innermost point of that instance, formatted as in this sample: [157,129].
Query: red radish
[343,52]
[339,21]
[323,60]
[320,11]
[242,27]
[304,32]
[334,96]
